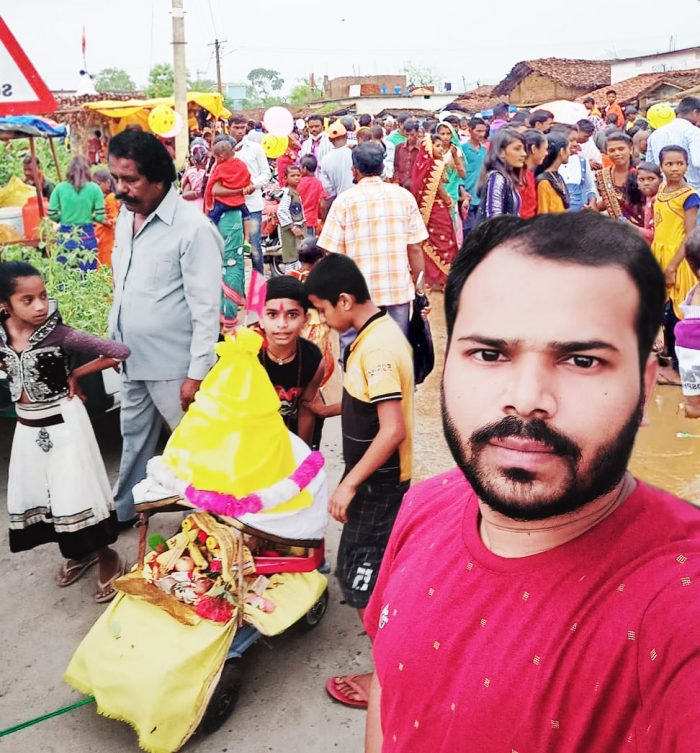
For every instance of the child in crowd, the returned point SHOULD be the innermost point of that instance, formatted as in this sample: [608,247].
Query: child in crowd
[552,193]
[688,332]
[316,330]
[577,174]
[105,230]
[377,426]
[234,177]
[292,224]
[294,364]
[648,180]
[675,216]
[58,488]
[313,195]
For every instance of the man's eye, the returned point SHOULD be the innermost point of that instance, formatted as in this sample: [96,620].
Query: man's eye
[487,355]
[583,362]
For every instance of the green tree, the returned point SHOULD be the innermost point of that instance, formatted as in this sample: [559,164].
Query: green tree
[417,75]
[161,81]
[303,93]
[113,79]
[264,81]
[202,85]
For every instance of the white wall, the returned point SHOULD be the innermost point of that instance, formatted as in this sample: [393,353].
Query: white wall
[670,61]
[374,105]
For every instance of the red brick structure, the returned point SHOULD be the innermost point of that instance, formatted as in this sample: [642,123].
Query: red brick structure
[339,88]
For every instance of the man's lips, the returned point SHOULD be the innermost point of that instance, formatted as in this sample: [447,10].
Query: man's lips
[517,452]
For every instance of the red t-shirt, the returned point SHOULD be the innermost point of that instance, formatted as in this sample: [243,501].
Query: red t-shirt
[528,196]
[311,191]
[591,647]
[232,173]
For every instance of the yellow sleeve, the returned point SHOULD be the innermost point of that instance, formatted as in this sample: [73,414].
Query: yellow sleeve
[382,375]
[546,198]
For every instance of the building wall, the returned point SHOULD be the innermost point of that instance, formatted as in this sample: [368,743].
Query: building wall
[680,60]
[337,88]
[536,89]
[374,105]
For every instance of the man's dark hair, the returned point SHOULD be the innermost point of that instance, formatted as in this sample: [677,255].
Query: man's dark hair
[588,100]
[315,117]
[610,91]
[402,117]
[611,119]
[238,120]
[365,120]
[430,124]
[336,274]
[521,116]
[286,286]
[309,251]
[585,126]
[500,110]
[150,155]
[688,105]
[410,125]
[453,120]
[368,159]
[309,162]
[583,238]
[474,122]
[377,132]
[540,116]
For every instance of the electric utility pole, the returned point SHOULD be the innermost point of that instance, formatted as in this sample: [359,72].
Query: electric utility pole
[180,83]
[217,45]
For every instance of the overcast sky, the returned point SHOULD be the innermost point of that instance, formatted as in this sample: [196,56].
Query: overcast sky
[465,42]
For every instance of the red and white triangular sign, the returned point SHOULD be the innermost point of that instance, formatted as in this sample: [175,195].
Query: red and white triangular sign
[22,90]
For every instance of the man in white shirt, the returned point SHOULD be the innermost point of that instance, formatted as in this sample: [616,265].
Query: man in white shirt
[336,168]
[683,131]
[317,143]
[260,175]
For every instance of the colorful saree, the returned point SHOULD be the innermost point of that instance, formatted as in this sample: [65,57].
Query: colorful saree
[617,201]
[440,248]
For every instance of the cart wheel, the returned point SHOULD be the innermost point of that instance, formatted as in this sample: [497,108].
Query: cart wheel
[223,699]
[315,614]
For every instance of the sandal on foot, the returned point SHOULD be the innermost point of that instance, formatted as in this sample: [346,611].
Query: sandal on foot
[106,591]
[73,570]
[337,695]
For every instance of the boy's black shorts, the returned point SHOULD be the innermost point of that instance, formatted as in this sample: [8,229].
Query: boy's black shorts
[371,517]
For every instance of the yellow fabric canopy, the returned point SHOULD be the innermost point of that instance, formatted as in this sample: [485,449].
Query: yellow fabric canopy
[135,111]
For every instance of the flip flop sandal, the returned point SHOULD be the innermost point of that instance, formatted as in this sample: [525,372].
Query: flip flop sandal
[340,697]
[105,591]
[667,381]
[68,574]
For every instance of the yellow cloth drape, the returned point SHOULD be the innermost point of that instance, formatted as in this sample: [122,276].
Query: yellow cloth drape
[669,233]
[149,670]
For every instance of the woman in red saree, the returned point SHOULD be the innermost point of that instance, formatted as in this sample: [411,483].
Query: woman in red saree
[434,203]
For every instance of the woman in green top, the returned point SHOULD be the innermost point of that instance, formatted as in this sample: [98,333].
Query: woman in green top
[76,203]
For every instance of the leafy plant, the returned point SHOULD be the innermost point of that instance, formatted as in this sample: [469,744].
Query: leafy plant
[84,298]
[161,81]
[13,152]
[113,79]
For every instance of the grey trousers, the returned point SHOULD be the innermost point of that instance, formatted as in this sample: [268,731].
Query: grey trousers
[145,406]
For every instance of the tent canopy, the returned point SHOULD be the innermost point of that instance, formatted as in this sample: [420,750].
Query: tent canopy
[21,126]
[211,101]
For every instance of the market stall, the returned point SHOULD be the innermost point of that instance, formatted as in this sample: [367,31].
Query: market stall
[20,211]
[136,111]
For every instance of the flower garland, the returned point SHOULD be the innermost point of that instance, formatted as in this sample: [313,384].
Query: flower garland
[265,499]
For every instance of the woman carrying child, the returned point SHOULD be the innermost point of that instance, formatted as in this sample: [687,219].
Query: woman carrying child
[58,488]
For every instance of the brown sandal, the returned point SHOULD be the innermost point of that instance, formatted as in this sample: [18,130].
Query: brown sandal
[72,570]
[106,591]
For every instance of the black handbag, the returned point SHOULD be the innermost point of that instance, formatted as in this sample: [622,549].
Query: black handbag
[421,340]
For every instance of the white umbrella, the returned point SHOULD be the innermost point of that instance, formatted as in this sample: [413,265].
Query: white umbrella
[565,111]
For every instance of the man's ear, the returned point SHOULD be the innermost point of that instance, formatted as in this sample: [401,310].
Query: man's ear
[345,301]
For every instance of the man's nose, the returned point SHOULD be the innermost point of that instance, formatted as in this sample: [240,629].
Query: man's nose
[531,389]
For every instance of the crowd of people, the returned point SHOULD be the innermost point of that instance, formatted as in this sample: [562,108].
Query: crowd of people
[539,613]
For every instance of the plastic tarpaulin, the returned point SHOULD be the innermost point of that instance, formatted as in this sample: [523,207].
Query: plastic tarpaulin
[18,126]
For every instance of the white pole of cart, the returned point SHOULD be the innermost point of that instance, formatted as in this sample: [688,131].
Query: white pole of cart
[180,83]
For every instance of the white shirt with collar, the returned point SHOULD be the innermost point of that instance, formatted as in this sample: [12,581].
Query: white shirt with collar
[319,147]
[679,132]
[259,168]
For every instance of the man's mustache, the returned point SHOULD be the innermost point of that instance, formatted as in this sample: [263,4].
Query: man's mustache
[535,429]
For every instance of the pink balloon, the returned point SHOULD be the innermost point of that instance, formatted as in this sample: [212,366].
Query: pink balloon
[278,121]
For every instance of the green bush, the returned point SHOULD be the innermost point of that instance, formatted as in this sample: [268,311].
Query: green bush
[84,298]
[12,153]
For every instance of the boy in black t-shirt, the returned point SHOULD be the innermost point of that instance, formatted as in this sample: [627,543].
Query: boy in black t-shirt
[294,364]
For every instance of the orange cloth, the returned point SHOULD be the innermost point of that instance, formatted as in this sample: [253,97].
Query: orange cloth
[105,233]
[615,109]
[548,200]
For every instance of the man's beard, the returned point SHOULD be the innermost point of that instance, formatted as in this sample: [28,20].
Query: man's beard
[508,491]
